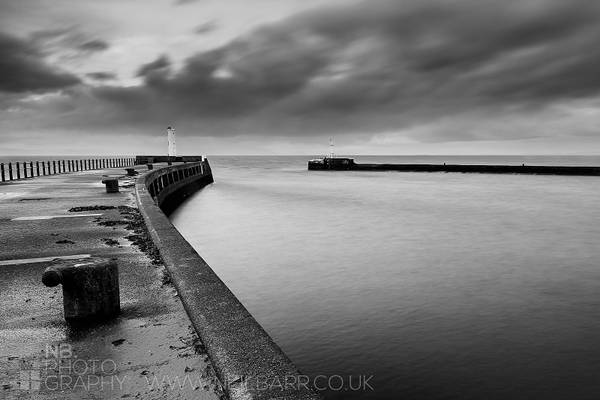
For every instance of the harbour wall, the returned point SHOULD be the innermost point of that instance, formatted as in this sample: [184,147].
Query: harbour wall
[483,169]
[248,362]
[348,164]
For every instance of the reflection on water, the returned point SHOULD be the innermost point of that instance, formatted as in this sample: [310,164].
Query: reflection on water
[465,286]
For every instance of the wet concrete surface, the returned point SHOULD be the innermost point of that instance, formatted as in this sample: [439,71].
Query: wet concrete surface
[148,351]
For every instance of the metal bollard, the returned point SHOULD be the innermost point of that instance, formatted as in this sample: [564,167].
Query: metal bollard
[131,171]
[112,185]
[150,166]
[90,288]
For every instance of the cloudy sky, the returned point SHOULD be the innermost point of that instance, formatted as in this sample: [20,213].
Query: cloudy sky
[282,76]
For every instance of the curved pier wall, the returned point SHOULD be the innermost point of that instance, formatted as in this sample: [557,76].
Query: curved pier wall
[248,362]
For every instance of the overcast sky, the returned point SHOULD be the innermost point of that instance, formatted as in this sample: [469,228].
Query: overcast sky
[282,76]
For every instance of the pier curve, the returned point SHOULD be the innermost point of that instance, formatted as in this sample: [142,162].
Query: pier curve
[248,362]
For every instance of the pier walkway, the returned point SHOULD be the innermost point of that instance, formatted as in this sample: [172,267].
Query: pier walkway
[149,351]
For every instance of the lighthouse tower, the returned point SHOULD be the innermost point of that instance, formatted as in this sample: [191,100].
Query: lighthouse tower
[171,139]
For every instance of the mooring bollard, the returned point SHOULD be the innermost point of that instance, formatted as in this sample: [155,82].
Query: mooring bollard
[90,288]
[150,166]
[112,185]
[131,171]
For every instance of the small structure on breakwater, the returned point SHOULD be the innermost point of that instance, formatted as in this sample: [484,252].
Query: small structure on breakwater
[345,164]
[333,163]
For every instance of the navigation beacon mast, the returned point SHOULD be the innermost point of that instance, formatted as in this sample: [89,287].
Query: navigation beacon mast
[171,140]
[331,147]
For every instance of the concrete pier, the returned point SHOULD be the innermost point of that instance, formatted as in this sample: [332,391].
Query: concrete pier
[147,351]
[181,332]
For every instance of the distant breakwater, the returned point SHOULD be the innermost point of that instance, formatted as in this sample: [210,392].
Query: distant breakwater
[348,164]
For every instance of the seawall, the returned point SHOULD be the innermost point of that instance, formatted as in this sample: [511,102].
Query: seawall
[64,219]
[483,169]
[348,164]
[247,360]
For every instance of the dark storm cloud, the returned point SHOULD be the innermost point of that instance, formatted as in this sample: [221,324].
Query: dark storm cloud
[67,43]
[22,68]
[206,27]
[376,66]
[101,76]
[93,45]
[161,65]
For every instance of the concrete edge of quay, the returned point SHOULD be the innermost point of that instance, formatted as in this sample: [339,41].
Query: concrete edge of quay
[248,362]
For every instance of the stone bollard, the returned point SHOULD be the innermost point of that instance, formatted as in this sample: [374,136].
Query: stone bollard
[150,166]
[90,288]
[131,171]
[112,185]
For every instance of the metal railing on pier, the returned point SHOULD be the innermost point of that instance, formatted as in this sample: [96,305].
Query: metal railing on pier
[30,169]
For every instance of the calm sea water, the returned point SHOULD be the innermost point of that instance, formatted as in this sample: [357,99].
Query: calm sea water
[441,286]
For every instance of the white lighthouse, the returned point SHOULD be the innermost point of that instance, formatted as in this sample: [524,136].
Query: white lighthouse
[171,139]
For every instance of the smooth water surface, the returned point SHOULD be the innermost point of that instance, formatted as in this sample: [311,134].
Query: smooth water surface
[440,285]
